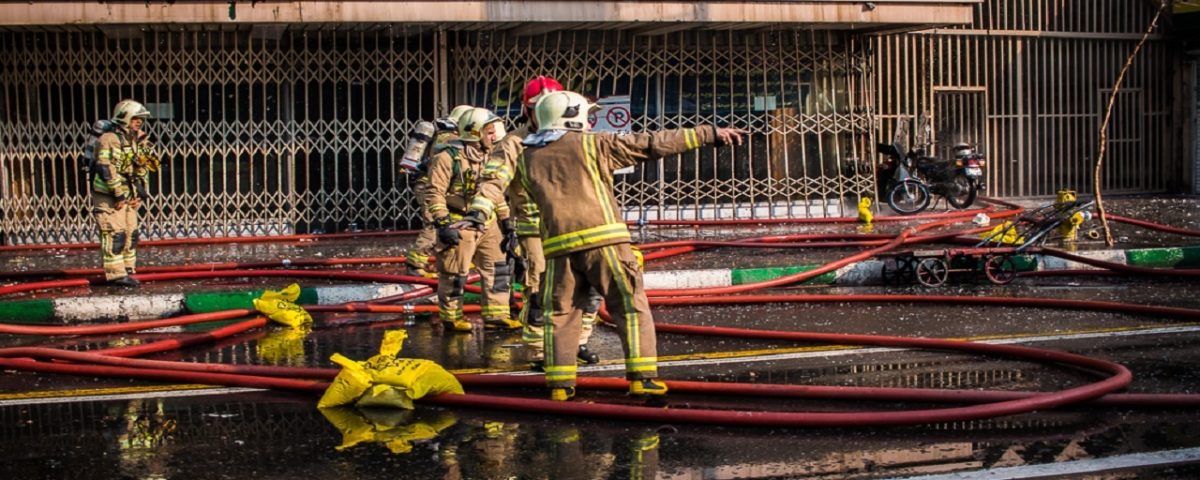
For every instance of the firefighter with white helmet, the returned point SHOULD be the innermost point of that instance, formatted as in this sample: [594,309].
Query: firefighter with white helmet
[119,177]
[453,174]
[567,171]
[495,183]
[417,258]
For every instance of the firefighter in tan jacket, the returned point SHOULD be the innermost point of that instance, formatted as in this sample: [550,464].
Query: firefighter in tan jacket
[417,257]
[122,164]
[494,184]
[568,173]
[453,172]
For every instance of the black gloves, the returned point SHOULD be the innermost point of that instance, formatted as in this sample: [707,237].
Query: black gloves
[445,233]
[508,227]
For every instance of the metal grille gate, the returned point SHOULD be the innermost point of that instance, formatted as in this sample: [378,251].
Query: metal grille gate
[1045,69]
[270,131]
[263,131]
[274,129]
[798,91]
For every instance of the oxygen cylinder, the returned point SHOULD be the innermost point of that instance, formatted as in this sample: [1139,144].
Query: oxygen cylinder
[418,141]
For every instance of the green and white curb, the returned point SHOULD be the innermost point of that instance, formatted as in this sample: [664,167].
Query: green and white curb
[724,277]
[141,307]
[869,272]
[75,310]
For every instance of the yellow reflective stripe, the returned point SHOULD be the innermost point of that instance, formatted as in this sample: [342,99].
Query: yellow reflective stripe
[437,208]
[526,229]
[593,166]
[483,204]
[498,170]
[641,364]
[587,236]
[690,138]
[632,333]
[450,314]
[548,309]
[560,373]
[492,311]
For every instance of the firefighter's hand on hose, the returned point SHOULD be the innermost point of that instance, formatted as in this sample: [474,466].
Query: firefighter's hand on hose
[509,243]
[446,233]
[474,220]
[730,136]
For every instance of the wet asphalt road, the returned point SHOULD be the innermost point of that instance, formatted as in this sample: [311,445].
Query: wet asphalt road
[50,429]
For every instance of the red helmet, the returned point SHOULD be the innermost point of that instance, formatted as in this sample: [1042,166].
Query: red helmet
[535,88]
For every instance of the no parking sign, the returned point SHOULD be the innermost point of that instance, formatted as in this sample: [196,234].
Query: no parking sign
[613,116]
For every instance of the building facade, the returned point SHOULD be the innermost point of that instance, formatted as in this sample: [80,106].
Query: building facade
[281,117]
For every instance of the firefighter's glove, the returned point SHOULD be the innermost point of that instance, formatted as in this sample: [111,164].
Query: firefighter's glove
[508,227]
[475,220]
[446,233]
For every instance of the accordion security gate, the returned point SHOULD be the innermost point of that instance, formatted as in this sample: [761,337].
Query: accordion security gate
[1029,82]
[797,91]
[260,132]
[276,131]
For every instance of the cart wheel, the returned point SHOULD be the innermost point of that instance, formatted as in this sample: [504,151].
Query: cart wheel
[932,272]
[1000,269]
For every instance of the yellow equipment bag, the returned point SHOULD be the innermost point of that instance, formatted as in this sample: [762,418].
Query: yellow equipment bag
[1009,236]
[387,381]
[284,346]
[278,306]
[396,432]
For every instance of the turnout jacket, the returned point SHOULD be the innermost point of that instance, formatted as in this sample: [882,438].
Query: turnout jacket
[453,175]
[571,181]
[497,180]
[116,170]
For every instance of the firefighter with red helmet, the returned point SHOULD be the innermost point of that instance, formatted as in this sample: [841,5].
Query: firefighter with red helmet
[454,171]
[495,187]
[119,175]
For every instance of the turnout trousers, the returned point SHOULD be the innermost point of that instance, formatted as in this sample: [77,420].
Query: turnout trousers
[532,320]
[118,235]
[454,263]
[613,271]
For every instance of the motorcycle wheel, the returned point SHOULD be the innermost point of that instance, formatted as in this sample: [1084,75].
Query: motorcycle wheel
[908,197]
[962,191]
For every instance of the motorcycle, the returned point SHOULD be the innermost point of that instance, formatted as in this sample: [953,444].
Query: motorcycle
[910,177]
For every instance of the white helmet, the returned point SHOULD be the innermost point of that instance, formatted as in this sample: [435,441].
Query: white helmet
[472,122]
[450,122]
[127,110]
[564,111]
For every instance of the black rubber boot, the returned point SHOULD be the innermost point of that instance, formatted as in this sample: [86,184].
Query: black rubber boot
[126,281]
[587,356]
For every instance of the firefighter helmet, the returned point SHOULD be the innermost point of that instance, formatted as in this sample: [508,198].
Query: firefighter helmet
[127,110]
[564,110]
[450,122]
[534,90]
[472,122]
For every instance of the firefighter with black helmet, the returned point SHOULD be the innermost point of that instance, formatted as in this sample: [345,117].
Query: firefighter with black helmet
[119,177]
